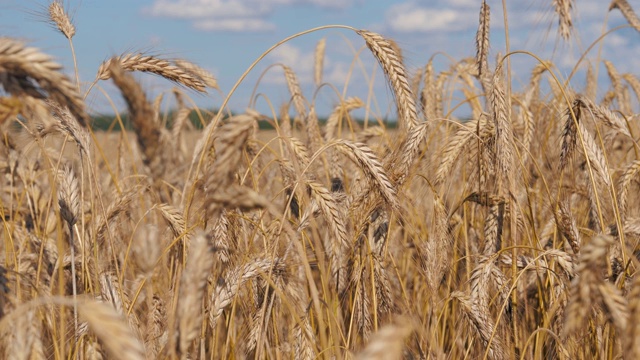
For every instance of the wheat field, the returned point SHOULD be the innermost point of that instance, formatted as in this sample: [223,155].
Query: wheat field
[510,235]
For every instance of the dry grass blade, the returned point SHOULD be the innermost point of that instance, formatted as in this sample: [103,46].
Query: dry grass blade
[391,63]
[112,330]
[20,65]
[154,65]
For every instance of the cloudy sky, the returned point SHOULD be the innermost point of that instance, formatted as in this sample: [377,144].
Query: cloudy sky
[226,36]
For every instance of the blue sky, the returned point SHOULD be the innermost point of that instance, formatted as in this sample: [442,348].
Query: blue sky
[226,36]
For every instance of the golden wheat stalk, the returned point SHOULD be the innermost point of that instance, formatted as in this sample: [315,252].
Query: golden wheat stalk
[148,134]
[627,12]
[20,65]
[482,40]
[193,284]
[388,342]
[61,19]
[154,65]
[565,23]
[296,92]
[585,289]
[391,63]
[365,158]
[112,330]
[196,71]
[319,61]
[227,288]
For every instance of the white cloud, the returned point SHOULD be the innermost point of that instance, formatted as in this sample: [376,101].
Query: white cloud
[194,9]
[337,70]
[300,62]
[410,17]
[234,25]
[338,73]
[232,15]
[291,55]
[473,4]
[335,4]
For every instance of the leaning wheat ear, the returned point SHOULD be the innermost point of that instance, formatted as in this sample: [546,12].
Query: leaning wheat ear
[391,63]
[154,65]
[148,133]
[198,72]
[21,67]
[69,201]
[627,12]
[112,329]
